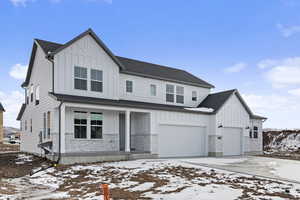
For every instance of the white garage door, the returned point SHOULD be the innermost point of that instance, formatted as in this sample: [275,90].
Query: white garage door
[231,141]
[181,141]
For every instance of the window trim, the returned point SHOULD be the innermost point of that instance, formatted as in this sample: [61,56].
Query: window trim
[170,93]
[80,78]
[91,113]
[255,132]
[181,95]
[98,81]
[81,125]
[126,88]
[153,86]
[194,96]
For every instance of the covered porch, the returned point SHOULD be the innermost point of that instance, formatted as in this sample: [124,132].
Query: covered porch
[92,133]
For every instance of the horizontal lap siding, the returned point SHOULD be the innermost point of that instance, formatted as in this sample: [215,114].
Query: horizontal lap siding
[42,76]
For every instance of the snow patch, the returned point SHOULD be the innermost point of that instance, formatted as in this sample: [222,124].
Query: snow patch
[201,109]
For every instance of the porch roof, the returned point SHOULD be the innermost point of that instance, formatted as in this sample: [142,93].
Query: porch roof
[122,103]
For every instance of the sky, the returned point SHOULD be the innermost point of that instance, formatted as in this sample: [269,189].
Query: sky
[250,45]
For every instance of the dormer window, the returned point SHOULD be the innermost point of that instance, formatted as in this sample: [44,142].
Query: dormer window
[96,80]
[80,78]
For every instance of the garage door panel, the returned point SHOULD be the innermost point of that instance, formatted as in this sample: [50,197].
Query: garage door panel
[180,141]
[231,141]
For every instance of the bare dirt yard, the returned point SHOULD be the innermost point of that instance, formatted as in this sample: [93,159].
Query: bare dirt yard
[140,179]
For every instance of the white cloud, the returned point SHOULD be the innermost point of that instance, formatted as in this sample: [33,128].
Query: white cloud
[267,63]
[295,92]
[288,31]
[20,2]
[12,103]
[282,73]
[281,111]
[18,71]
[236,67]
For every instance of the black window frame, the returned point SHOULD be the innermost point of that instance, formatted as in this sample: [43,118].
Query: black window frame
[97,124]
[129,86]
[255,132]
[80,124]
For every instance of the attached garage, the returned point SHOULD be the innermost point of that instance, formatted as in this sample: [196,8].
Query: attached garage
[181,141]
[232,138]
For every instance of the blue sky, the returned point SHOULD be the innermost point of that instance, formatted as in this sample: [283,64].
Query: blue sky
[253,46]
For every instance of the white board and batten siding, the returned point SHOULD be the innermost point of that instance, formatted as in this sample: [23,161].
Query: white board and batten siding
[184,133]
[86,53]
[234,119]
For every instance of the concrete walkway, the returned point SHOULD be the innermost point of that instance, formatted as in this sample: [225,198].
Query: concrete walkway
[271,168]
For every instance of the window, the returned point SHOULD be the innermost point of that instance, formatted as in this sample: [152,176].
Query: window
[80,124]
[21,125]
[31,125]
[153,90]
[179,94]
[37,95]
[170,93]
[129,86]
[80,81]
[25,125]
[194,96]
[44,125]
[96,125]
[27,95]
[250,133]
[48,124]
[255,132]
[96,80]
[31,93]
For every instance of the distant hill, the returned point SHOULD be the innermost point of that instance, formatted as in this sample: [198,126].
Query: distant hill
[8,131]
[281,140]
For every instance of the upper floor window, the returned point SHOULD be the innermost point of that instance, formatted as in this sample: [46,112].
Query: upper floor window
[37,95]
[27,91]
[194,96]
[170,93]
[80,78]
[31,93]
[255,132]
[129,86]
[96,80]
[96,125]
[179,94]
[153,90]
[80,125]
[25,125]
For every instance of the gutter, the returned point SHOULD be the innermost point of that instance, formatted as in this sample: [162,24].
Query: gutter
[59,132]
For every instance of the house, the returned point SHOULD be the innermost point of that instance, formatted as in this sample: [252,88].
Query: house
[84,104]
[2,110]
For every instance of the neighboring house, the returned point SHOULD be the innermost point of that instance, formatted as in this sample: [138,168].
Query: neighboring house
[2,110]
[85,104]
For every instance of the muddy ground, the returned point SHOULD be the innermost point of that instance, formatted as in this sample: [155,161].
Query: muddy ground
[9,147]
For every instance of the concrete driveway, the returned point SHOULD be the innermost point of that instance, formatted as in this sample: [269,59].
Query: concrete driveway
[285,170]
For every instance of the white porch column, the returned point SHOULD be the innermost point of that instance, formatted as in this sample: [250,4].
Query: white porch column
[127,131]
[63,128]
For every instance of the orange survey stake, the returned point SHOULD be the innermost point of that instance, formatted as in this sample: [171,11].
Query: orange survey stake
[105,191]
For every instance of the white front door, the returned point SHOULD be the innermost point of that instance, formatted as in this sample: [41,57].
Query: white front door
[232,141]
[181,141]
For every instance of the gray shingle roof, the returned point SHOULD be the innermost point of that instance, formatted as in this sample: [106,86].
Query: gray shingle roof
[2,108]
[216,100]
[122,103]
[127,66]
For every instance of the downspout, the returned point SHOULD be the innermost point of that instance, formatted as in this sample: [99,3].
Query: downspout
[52,61]
[59,132]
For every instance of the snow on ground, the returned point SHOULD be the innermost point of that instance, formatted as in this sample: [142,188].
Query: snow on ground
[284,141]
[23,158]
[217,161]
[154,179]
